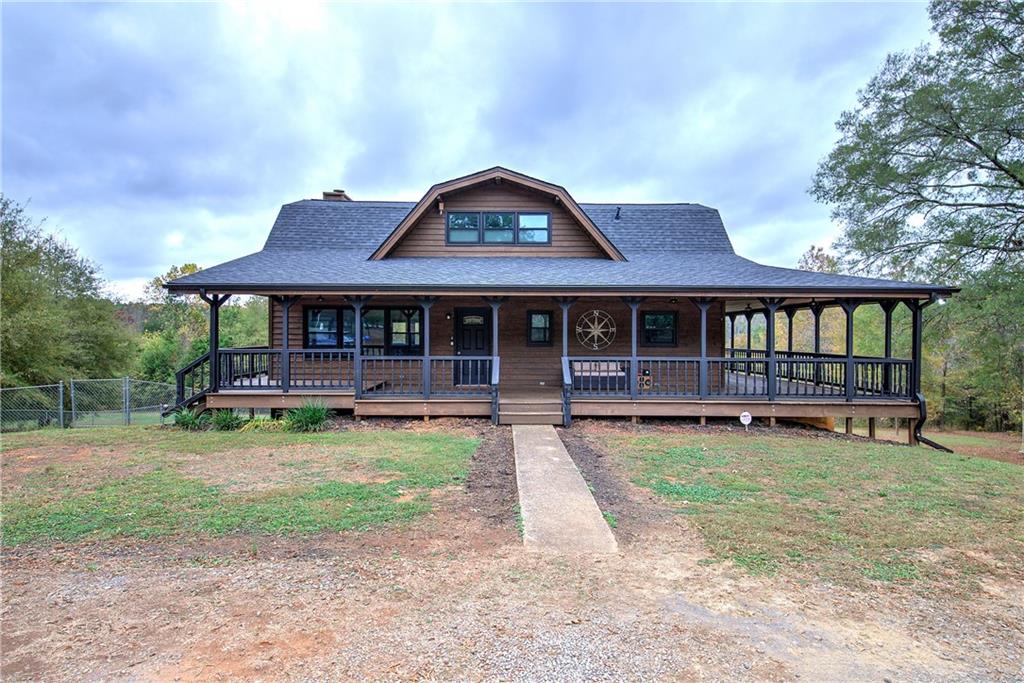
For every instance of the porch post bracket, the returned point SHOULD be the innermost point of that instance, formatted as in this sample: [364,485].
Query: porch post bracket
[634,364]
[703,303]
[426,302]
[357,303]
[849,306]
[215,301]
[770,307]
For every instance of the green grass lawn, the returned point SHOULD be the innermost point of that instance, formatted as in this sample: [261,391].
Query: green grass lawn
[838,510]
[145,482]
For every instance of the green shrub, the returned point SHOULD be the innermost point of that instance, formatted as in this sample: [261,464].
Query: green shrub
[191,420]
[262,423]
[309,417]
[227,420]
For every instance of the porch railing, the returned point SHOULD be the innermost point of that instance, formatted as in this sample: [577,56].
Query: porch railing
[796,377]
[736,375]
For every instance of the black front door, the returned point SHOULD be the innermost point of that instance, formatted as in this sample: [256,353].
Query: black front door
[472,338]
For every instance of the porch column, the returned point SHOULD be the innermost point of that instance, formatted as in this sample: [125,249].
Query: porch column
[732,334]
[888,306]
[565,303]
[816,311]
[357,357]
[790,314]
[749,315]
[703,304]
[770,306]
[916,330]
[634,364]
[286,362]
[215,301]
[849,306]
[426,302]
[495,303]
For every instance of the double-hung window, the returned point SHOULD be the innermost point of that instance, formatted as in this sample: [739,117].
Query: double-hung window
[534,228]
[539,324]
[464,227]
[497,227]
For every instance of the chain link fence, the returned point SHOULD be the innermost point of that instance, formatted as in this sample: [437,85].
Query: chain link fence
[85,403]
[23,408]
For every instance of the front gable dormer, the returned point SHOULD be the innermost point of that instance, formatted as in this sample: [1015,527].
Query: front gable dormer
[497,212]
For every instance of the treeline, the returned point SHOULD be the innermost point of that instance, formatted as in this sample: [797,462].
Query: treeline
[57,321]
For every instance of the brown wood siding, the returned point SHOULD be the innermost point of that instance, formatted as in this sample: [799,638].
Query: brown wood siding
[568,239]
[524,365]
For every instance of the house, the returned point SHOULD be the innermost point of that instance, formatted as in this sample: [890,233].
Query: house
[497,294]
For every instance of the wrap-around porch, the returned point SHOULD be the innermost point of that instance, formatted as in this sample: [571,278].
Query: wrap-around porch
[555,358]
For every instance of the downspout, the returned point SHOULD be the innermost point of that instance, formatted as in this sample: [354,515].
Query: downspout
[920,423]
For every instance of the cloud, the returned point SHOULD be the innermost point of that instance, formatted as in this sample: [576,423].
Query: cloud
[154,134]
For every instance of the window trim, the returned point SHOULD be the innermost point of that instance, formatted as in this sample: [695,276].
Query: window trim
[481,228]
[643,328]
[529,327]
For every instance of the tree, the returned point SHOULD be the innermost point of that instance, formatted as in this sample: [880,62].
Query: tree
[927,180]
[928,175]
[176,329]
[55,323]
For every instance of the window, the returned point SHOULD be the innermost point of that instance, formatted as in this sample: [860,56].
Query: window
[374,334]
[498,227]
[464,227]
[659,328]
[405,329]
[539,324]
[534,228]
[321,327]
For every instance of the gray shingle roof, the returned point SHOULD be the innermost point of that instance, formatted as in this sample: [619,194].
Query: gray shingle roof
[317,244]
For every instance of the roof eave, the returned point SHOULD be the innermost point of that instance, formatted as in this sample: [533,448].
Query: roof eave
[917,291]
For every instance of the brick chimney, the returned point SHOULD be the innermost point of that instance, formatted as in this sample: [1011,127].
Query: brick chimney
[336,196]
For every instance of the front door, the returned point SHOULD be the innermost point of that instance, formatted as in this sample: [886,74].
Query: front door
[472,338]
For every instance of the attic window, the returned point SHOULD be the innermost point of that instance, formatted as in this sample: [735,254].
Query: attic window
[497,227]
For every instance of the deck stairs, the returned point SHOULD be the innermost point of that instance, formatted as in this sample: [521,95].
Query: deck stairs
[530,408]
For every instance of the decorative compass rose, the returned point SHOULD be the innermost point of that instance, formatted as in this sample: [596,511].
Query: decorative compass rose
[595,330]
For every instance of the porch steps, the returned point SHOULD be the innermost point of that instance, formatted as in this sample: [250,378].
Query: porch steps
[529,410]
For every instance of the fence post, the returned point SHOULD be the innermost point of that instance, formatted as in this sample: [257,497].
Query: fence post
[73,416]
[127,409]
[60,403]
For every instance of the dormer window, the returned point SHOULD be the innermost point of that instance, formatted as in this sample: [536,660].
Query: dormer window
[534,228]
[498,227]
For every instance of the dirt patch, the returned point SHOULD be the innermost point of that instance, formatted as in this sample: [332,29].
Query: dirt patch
[260,469]
[1000,446]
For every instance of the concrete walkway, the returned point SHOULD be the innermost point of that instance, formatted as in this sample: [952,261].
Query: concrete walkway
[559,513]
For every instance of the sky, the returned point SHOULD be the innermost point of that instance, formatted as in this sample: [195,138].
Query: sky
[158,134]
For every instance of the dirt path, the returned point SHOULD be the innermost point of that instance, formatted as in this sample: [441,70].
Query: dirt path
[455,597]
